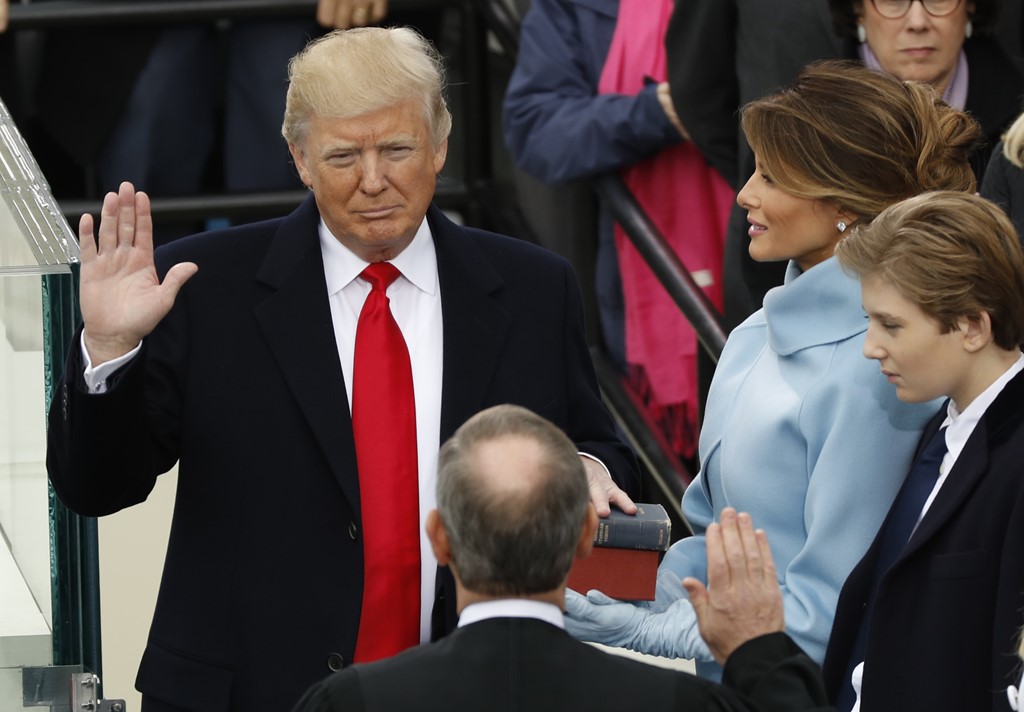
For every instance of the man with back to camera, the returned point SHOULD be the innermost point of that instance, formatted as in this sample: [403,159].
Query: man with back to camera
[512,512]
[351,331]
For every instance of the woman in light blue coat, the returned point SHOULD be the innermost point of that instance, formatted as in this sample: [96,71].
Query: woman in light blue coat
[800,429]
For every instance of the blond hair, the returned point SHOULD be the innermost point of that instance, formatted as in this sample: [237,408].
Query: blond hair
[860,139]
[953,254]
[1013,142]
[348,73]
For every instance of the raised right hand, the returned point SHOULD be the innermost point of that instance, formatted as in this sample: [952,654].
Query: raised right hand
[742,599]
[122,299]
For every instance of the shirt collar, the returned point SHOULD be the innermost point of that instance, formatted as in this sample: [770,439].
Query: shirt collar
[417,262]
[512,608]
[961,425]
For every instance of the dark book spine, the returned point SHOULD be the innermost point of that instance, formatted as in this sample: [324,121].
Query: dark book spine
[649,530]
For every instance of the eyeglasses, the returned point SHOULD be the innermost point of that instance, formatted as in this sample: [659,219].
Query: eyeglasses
[895,9]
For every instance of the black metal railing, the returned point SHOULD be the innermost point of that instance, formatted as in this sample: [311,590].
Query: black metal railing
[463,194]
[667,473]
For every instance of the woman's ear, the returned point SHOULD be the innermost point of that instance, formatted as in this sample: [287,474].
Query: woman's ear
[843,219]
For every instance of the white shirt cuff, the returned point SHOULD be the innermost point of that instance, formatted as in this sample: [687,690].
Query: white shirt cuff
[603,466]
[96,376]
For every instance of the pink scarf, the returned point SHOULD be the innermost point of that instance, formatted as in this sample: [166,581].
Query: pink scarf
[689,203]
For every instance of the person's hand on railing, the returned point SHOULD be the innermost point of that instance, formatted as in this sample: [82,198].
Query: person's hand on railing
[343,14]
[665,99]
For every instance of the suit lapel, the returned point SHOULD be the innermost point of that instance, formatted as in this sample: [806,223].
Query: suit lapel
[999,419]
[970,467]
[296,321]
[475,324]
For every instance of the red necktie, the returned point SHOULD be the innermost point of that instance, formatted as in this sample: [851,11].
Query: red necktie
[384,426]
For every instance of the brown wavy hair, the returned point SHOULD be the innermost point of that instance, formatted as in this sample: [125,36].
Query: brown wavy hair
[860,139]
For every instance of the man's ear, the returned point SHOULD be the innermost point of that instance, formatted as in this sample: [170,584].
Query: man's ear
[586,540]
[975,332]
[438,538]
[299,158]
[440,155]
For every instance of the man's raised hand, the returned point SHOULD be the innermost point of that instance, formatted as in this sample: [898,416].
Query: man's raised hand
[742,599]
[122,299]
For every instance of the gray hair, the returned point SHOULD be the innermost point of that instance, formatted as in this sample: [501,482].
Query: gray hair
[347,73]
[521,540]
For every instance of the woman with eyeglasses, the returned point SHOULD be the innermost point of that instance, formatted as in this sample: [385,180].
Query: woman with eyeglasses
[945,43]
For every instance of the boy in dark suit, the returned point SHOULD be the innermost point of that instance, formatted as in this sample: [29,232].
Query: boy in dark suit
[928,619]
[510,541]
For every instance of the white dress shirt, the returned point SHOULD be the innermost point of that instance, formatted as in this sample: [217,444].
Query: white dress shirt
[512,608]
[416,305]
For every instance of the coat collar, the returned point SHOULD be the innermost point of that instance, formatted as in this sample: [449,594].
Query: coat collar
[475,322]
[1001,421]
[296,322]
[819,306]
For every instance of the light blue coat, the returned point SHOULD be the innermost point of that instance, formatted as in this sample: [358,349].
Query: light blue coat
[803,432]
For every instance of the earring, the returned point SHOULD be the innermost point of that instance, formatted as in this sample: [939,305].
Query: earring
[862,34]
[841,226]
[968,29]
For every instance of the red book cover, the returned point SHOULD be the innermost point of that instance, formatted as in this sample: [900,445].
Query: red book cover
[626,574]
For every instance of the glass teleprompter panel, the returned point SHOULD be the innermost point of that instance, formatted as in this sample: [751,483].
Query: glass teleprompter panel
[37,252]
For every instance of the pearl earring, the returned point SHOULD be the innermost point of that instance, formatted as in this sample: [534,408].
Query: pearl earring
[862,34]
[968,30]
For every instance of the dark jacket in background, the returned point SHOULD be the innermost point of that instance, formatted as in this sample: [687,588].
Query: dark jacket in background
[723,54]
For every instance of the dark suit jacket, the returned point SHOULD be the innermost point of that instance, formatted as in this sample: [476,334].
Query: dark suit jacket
[943,635]
[515,664]
[262,582]
[1004,185]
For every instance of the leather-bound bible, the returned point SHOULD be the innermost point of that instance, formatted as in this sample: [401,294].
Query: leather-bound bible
[627,549]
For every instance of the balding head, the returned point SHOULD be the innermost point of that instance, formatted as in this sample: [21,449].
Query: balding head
[512,494]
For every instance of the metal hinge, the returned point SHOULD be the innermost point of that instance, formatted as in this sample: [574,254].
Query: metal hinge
[64,688]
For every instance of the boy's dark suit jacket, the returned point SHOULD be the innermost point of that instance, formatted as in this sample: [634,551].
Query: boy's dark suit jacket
[527,665]
[263,580]
[944,631]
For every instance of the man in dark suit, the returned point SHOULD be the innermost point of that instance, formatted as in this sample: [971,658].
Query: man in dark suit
[512,512]
[929,619]
[250,377]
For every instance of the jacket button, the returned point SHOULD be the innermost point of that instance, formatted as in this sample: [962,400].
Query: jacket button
[353,531]
[335,662]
